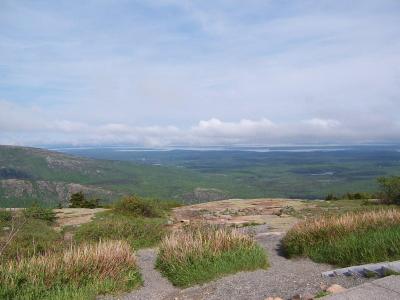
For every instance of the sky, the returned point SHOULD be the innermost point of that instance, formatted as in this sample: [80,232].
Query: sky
[158,73]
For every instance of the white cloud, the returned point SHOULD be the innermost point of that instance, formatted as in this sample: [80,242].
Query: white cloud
[254,71]
[26,127]
[325,124]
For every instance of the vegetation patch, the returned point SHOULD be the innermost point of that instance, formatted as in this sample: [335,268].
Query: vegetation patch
[34,238]
[140,222]
[139,232]
[353,238]
[79,200]
[198,254]
[81,272]
[40,213]
[25,233]
[144,207]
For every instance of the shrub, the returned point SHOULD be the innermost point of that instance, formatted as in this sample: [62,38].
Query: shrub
[136,206]
[358,196]
[330,197]
[78,200]
[202,253]
[362,237]
[5,216]
[390,189]
[93,269]
[350,196]
[40,213]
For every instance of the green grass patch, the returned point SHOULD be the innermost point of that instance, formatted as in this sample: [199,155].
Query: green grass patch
[321,294]
[139,232]
[35,237]
[359,248]
[198,255]
[351,239]
[140,222]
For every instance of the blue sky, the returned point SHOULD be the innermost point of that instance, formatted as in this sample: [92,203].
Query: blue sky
[171,72]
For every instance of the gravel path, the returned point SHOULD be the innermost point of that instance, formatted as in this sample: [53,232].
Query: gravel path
[284,278]
[155,286]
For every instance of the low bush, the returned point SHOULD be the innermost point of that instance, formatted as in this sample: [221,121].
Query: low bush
[81,272]
[40,213]
[353,238]
[350,196]
[5,216]
[138,232]
[136,206]
[79,200]
[390,189]
[201,253]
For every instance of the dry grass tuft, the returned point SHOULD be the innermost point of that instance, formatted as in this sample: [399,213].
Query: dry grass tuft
[201,253]
[198,240]
[353,238]
[77,266]
[336,226]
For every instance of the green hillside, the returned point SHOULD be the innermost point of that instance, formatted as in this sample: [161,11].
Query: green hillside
[31,174]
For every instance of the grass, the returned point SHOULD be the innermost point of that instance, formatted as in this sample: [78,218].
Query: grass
[321,294]
[140,222]
[36,237]
[81,272]
[39,264]
[349,239]
[139,232]
[199,254]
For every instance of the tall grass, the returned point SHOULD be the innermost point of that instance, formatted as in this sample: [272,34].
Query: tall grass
[352,238]
[201,253]
[35,237]
[90,269]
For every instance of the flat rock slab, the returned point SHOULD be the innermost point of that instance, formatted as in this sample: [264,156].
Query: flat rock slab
[378,268]
[387,288]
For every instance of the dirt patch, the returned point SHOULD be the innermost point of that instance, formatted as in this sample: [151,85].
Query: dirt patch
[75,216]
[277,213]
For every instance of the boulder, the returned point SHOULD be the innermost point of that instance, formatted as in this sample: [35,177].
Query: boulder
[335,288]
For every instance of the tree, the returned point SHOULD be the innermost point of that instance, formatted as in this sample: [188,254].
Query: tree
[390,189]
[77,200]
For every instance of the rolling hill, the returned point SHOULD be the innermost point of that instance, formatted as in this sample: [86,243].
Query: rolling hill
[192,176]
[30,175]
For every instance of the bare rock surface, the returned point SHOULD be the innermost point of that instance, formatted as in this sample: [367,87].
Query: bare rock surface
[387,288]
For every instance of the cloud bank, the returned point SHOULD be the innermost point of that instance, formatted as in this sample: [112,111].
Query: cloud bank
[171,72]
[44,130]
